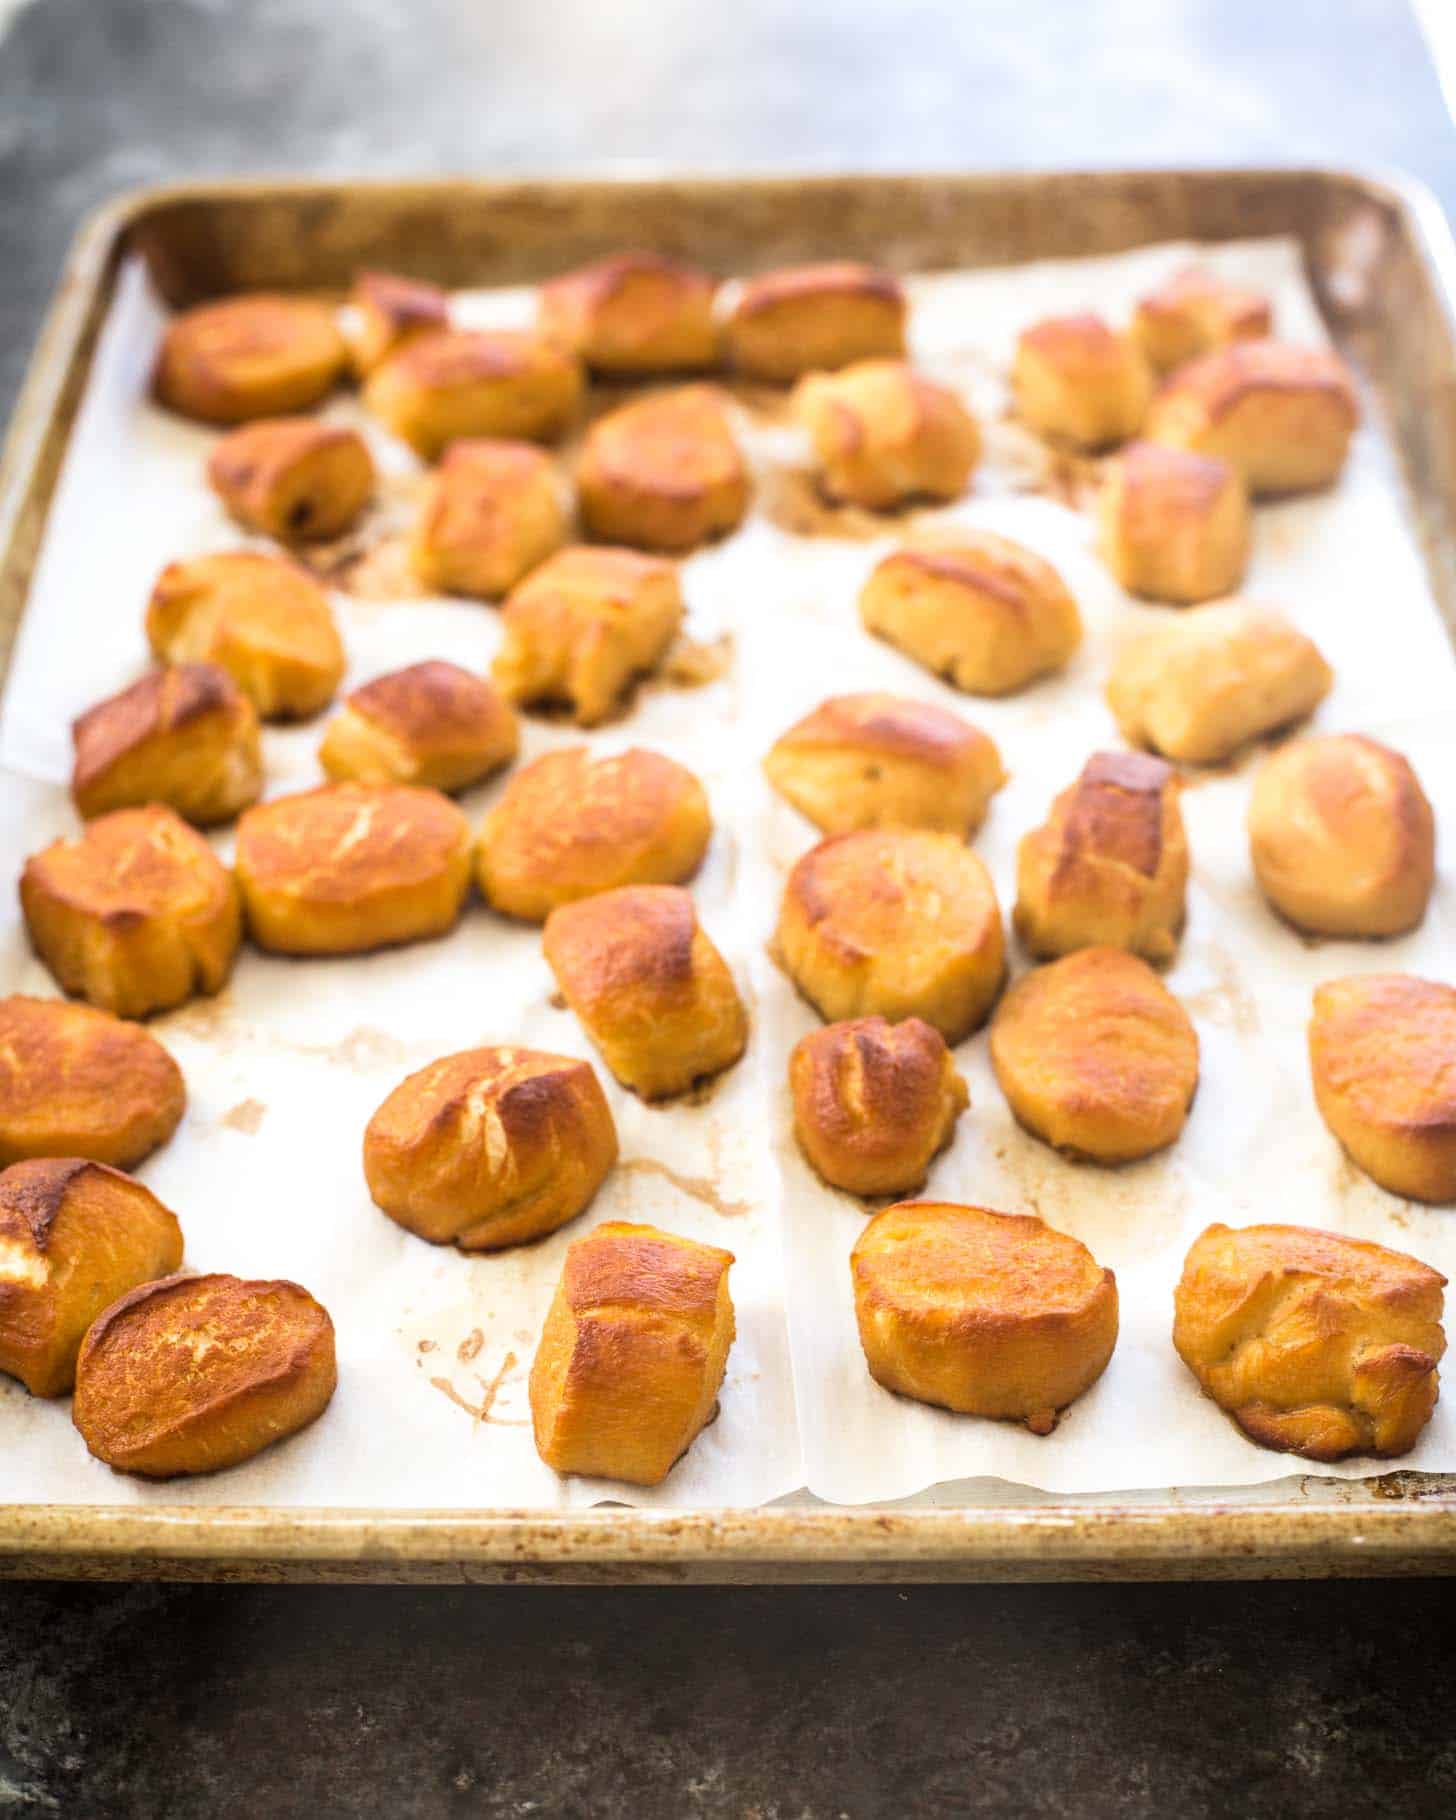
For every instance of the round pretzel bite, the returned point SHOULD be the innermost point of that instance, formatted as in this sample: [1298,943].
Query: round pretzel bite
[1314,1343]
[883,434]
[438,388]
[896,922]
[80,1083]
[663,473]
[1079,382]
[347,868]
[1342,837]
[293,478]
[650,988]
[881,761]
[984,613]
[389,311]
[874,1102]
[194,1374]
[137,915]
[260,618]
[186,737]
[491,1147]
[1096,1057]
[1174,526]
[431,723]
[986,1314]
[1198,687]
[1380,1052]
[1193,312]
[802,318]
[491,512]
[1109,866]
[1283,416]
[570,825]
[633,313]
[260,355]
[74,1235]
[632,1354]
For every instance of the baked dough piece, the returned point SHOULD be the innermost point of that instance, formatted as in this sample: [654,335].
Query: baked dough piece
[491,1147]
[1195,311]
[1342,836]
[633,313]
[632,1354]
[491,512]
[897,922]
[137,915]
[260,355]
[389,311]
[1109,866]
[1380,1053]
[988,1314]
[1174,526]
[880,761]
[74,1235]
[293,478]
[570,825]
[874,1102]
[986,614]
[1095,1056]
[350,867]
[651,990]
[261,618]
[663,473]
[1198,687]
[186,737]
[884,434]
[1314,1343]
[1079,382]
[474,382]
[81,1083]
[584,626]
[431,723]
[194,1374]
[1283,416]
[802,318]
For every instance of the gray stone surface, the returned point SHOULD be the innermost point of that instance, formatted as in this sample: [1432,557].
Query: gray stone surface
[784,1704]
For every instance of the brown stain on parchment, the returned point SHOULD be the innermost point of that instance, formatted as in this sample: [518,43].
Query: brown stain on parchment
[490,1389]
[363,1049]
[790,498]
[1225,1002]
[246,1117]
[696,1187]
[692,663]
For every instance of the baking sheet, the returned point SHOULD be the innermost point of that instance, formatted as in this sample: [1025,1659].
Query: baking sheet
[286,1067]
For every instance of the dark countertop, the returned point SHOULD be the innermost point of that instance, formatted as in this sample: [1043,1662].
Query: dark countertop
[802,1704]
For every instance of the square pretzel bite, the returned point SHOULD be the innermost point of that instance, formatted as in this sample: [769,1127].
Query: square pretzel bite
[1194,311]
[293,478]
[261,354]
[437,388]
[802,318]
[1079,382]
[663,473]
[1174,526]
[491,512]
[431,723]
[633,313]
[884,434]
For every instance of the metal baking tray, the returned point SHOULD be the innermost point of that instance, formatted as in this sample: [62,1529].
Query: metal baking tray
[1383,267]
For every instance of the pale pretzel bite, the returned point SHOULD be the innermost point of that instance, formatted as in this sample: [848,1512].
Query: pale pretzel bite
[884,434]
[584,627]
[194,1374]
[347,868]
[987,1314]
[137,915]
[76,1082]
[1078,381]
[987,615]
[874,1102]
[1342,837]
[431,723]
[389,311]
[455,383]
[491,512]
[1315,1344]
[895,922]
[570,825]
[663,473]
[74,1235]
[260,618]
[800,319]
[293,478]
[633,313]
[259,355]
[1174,526]
[1109,866]
[1195,311]
[876,760]
[491,1147]
[650,988]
